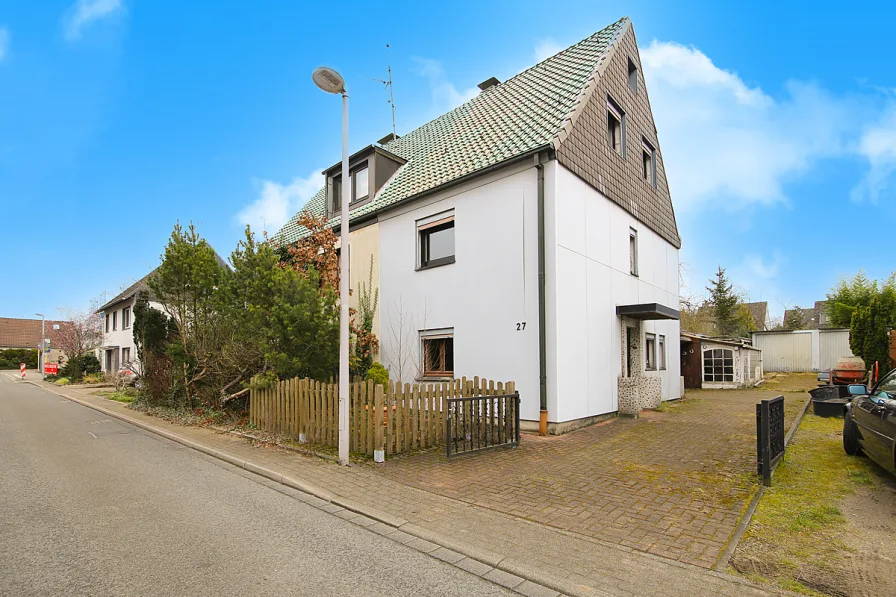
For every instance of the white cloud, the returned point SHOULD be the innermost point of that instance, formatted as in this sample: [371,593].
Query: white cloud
[445,96]
[546,48]
[725,140]
[4,42]
[85,12]
[277,203]
[878,145]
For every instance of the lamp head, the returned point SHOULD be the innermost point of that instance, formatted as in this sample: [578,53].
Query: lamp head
[328,80]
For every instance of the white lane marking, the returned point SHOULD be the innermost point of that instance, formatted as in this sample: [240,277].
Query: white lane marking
[94,437]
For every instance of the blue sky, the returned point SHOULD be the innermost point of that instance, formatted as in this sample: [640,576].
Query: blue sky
[119,117]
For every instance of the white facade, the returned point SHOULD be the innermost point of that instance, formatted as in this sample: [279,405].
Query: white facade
[118,350]
[488,298]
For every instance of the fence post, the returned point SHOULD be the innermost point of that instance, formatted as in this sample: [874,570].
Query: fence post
[378,452]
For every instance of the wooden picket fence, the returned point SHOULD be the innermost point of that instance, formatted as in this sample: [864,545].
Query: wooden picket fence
[411,416]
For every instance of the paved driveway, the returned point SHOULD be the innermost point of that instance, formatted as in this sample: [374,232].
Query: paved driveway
[673,483]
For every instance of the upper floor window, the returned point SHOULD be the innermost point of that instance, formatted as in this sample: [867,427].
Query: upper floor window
[108,317]
[114,320]
[632,75]
[436,240]
[633,251]
[360,189]
[648,160]
[125,318]
[615,127]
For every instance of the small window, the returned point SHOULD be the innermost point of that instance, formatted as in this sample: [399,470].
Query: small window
[438,354]
[718,365]
[632,76]
[436,242]
[114,320]
[126,318]
[125,356]
[650,351]
[633,251]
[360,191]
[661,353]
[648,159]
[107,322]
[629,350]
[615,127]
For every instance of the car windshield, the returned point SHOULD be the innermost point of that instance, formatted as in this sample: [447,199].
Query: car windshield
[887,387]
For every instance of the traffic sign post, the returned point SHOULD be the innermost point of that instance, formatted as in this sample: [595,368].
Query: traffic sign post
[51,369]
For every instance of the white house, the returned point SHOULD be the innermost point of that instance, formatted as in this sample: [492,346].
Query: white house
[118,350]
[527,235]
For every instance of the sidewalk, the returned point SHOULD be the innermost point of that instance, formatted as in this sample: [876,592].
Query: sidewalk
[565,561]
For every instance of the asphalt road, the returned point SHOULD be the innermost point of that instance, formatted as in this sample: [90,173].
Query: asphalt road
[93,506]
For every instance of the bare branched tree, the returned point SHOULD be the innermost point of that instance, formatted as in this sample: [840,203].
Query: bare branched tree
[403,358]
[80,334]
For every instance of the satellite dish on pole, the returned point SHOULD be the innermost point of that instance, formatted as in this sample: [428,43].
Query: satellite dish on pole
[328,80]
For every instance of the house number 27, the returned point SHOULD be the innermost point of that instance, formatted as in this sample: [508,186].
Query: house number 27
[520,326]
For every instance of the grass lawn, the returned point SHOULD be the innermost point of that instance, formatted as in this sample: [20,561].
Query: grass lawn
[799,536]
[127,396]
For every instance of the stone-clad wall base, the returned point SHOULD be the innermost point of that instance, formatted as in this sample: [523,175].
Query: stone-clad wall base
[638,393]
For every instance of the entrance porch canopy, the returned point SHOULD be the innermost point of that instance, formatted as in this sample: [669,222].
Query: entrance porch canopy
[647,311]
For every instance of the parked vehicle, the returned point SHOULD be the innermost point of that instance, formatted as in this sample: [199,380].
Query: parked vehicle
[824,377]
[869,424]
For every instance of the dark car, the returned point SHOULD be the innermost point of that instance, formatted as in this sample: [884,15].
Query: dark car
[869,425]
[824,377]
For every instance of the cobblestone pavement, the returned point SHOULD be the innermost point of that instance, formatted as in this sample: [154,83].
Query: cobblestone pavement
[671,483]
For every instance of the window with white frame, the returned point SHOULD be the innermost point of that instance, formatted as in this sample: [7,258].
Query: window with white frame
[108,319]
[437,352]
[718,365]
[126,318]
[435,240]
[114,320]
[650,352]
[661,352]
[633,251]
[648,162]
[615,127]
[125,356]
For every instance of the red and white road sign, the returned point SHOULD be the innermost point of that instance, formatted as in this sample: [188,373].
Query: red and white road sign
[51,368]
[22,369]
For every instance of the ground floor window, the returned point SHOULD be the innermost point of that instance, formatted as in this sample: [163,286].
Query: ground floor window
[650,351]
[662,352]
[125,356]
[718,365]
[437,353]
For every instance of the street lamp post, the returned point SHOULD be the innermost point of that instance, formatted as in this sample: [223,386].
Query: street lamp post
[43,342]
[330,81]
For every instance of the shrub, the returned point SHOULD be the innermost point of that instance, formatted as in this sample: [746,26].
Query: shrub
[93,378]
[378,374]
[76,368]
[63,381]
[11,357]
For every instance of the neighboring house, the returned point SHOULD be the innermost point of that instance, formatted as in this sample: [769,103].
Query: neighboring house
[759,312]
[25,333]
[719,363]
[559,166]
[802,350]
[813,318]
[118,351]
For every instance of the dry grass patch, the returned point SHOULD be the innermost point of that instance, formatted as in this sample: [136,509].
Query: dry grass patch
[796,538]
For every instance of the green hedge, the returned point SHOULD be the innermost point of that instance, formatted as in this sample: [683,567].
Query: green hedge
[11,357]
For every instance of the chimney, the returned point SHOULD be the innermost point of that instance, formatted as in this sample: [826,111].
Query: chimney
[489,83]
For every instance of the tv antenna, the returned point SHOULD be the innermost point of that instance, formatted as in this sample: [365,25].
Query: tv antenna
[387,84]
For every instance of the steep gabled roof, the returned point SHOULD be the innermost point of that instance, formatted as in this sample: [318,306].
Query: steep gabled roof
[519,116]
[140,284]
[759,312]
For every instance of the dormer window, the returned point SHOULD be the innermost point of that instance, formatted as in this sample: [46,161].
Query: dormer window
[370,169]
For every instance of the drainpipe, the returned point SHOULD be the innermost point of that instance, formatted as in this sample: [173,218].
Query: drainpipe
[542,332]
